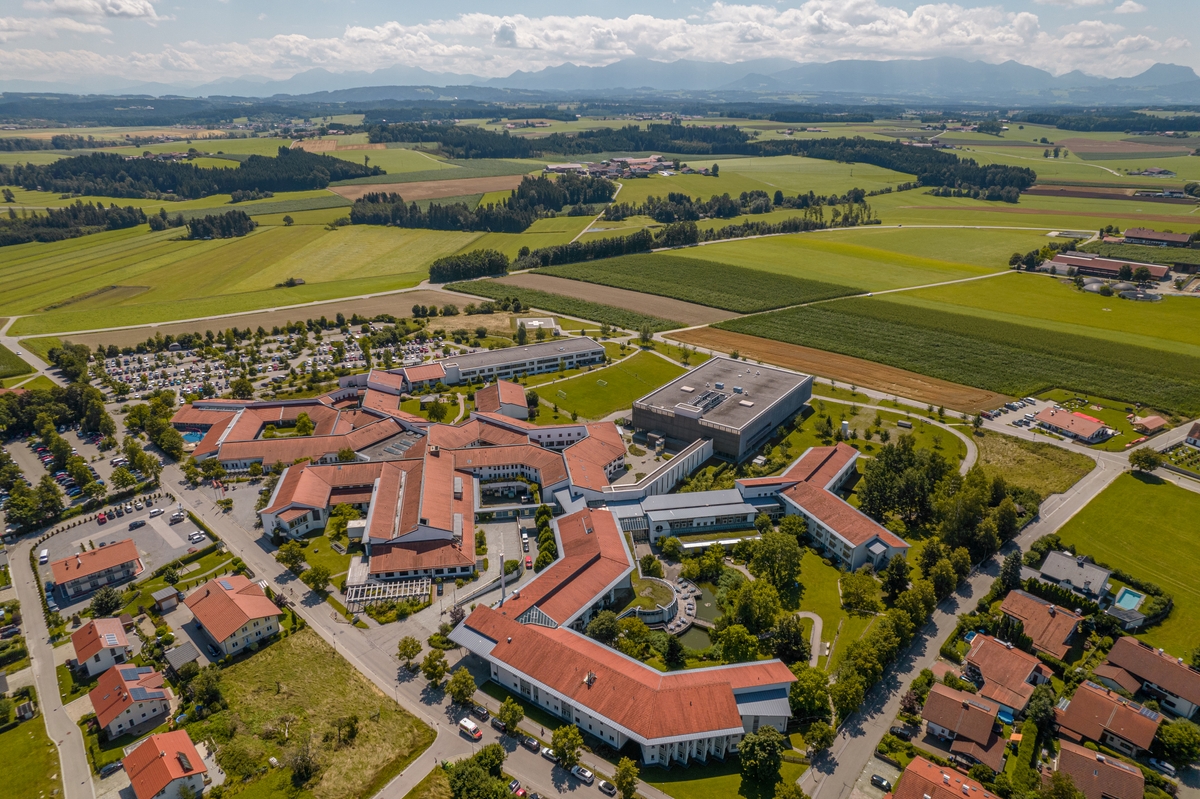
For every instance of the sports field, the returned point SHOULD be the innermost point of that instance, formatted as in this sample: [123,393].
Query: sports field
[134,276]
[724,286]
[596,394]
[1161,517]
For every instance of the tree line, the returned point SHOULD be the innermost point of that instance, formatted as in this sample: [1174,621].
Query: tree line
[221,226]
[112,175]
[1112,119]
[534,197]
[468,266]
[679,207]
[68,222]
[59,142]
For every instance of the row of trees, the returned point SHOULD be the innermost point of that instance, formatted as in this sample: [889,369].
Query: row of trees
[71,221]
[228,225]
[679,207]
[468,266]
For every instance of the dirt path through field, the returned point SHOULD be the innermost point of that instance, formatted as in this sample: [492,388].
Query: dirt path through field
[843,368]
[687,312]
[432,189]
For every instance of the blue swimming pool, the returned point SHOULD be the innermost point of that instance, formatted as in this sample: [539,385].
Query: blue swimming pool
[1128,599]
[193,437]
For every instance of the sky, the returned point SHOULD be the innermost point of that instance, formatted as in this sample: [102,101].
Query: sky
[190,42]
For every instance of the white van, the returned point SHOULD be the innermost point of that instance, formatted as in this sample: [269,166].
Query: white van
[44,557]
[470,729]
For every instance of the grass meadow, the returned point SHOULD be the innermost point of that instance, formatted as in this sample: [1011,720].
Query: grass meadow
[1161,518]
[1036,465]
[702,282]
[625,382]
[542,233]
[11,364]
[30,762]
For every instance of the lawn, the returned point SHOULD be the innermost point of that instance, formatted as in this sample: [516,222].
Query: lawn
[542,233]
[209,566]
[1110,412]
[319,551]
[134,276]
[436,785]
[41,346]
[302,678]
[724,286]
[819,594]
[1044,468]
[649,594]
[716,781]
[875,259]
[30,762]
[1161,517]
[624,383]
[69,688]
[101,753]
[11,364]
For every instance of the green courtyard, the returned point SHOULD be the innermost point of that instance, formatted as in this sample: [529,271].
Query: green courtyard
[596,394]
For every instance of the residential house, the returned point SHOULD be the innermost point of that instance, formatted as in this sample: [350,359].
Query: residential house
[84,572]
[1076,573]
[163,764]
[502,397]
[1100,776]
[100,644]
[235,613]
[968,722]
[1103,716]
[1193,436]
[925,780]
[1049,626]
[127,697]
[1149,425]
[1005,675]
[1135,666]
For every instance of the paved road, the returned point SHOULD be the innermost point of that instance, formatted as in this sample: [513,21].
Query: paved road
[75,772]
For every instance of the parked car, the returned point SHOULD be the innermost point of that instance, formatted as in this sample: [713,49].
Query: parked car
[44,557]
[903,733]
[480,712]
[136,523]
[156,512]
[880,783]
[470,729]
[607,788]
[101,519]
[530,743]
[196,537]
[582,774]
[1163,766]
[499,725]
[214,652]
[548,753]
[514,786]
[528,562]
[111,768]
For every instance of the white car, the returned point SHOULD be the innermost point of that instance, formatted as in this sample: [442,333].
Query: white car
[156,512]
[582,774]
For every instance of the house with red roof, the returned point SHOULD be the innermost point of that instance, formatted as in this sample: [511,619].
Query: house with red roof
[235,613]
[925,780]
[1100,776]
[100,644]
[504,398]
[1005,675]
[128,698]
[1076,425]
[1103,716]
[968,722]
[1050,627]
[163,765]
[1134,666]
[84,572]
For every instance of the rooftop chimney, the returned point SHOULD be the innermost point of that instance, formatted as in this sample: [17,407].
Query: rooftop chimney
[946,778]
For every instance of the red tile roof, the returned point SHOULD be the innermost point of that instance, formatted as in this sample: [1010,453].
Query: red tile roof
[98,634]
[1154,235]
[1118,675]
[1161,669]
[387,379]
[402,556]
[962,713]
[489,398]
[922,778]
[1005,671]
[841,517]
[821,464]
[160,760]
[190,415]
[1094,710]
[289,450]
[1098,776]
[473,433]
[119,687]
[1077,424]
[989,752]
[222,610]
[1048,625]
[421,374]
[550,465]
[93,561]
[508,421]
[383,402]
[588,459]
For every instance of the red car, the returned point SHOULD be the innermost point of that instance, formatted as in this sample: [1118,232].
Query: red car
[528,561]
[102,519]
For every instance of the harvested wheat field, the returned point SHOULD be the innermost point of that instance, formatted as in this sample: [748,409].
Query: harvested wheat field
[842,368]
[432,189]
[649,304]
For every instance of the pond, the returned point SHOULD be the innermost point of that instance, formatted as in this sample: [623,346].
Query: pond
[706,606]
[696,638]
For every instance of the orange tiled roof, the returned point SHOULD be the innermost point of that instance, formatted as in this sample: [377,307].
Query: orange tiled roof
[93,561]
[551,465]
[121,686]
[1151,665]
[960,712]
[841,517]
[1048,625]
[489,398]
[1005,671]
[222,610]
[588,458]
[821,464]
[98,634]
[420,374]
[402,556]
[922,778]
[160,760]
[1098,776]
[1094,710]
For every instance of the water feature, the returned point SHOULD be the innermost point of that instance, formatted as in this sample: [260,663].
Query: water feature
[193,436]
[696,638]
[1128,599]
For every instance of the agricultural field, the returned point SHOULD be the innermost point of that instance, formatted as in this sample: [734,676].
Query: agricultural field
[869,259]
[596,394]
[998,356]
[1035,465]
[451,169]
[134,277]
[1166,516]
[731,288]
[542,233]
[562,304]
[11,364]
[1154,255]
[1055,305]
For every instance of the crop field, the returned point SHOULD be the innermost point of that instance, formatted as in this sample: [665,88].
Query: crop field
[854,371]
[998,356]
[11,364]
[1153,255]
[393,161]
[1164,518]
[1056,305]
[624,382]
[431,189]
[638,302]
[559,303]
[871,260]
[542,233]
[131,276]
[451,169]
[731,288]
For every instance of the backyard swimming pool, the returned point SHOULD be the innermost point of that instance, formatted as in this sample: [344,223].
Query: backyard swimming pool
[1128,599]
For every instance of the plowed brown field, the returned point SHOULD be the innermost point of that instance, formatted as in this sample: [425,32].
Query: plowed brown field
[842,368]
[432,189]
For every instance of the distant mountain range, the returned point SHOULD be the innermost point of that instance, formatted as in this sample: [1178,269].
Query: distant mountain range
[934,79]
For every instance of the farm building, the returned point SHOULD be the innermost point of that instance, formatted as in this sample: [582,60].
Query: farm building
[1152,238]
[1098,266]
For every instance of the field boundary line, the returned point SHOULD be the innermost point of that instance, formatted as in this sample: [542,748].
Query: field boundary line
[620,186]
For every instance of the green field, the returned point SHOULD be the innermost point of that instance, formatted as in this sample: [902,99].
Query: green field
[874,259]
[1036,465]
[1012,359]
[436,785]
[560,303]
[30,762]
[11,364]
[132,276]
[723,286]
[1059,308]
[1161,517]
[393,161]
[1153,255]
[716,781]
[300,676]
[542,233]
[454,170]
[627,380]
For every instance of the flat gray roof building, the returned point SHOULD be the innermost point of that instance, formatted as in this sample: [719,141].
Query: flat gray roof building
[529,359]
[735,403]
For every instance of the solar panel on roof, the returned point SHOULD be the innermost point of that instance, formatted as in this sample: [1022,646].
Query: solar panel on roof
[228,586]
[110,639]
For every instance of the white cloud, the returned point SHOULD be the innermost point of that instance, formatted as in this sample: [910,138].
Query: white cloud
[19,27]
[496,45]
[1129,7]
[128,9]
[1071,3]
